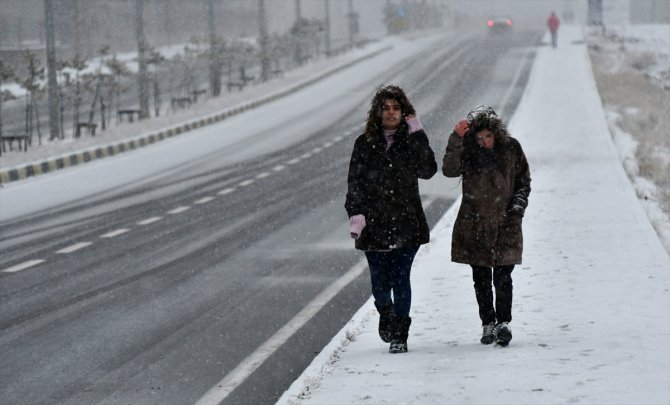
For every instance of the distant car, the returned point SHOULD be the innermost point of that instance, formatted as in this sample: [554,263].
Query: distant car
[501,24]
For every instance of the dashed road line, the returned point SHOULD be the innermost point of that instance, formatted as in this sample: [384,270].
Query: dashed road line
[112,234]
[178,210]
[75,247]
[226,191]
[204,200]
[23,266]
[149,220]
[115,233]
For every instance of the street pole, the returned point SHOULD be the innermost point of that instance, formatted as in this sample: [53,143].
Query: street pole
[327,27]
[265,63]
[214,65]
[142,81]
[353,24]
[52,83]
[298,12]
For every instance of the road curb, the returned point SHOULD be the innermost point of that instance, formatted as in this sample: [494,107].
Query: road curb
[61,162]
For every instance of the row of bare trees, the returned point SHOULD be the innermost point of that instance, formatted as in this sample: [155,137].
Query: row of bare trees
[92,92]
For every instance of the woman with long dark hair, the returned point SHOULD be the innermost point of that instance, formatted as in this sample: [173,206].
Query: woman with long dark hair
[385,212]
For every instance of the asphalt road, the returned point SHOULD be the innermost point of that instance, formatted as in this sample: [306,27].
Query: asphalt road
[202,265]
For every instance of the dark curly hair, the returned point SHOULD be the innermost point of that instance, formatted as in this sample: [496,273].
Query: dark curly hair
[474,156]
[493,124]
[374,122]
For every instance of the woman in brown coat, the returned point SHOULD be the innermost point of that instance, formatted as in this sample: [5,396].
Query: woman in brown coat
[487,233]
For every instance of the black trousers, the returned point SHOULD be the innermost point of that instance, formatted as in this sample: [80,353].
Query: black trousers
[502,281]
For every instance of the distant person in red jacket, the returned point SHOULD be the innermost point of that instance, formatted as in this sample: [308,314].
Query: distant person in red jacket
[553,24]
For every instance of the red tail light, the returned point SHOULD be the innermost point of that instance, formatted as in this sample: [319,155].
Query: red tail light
[509,23]
[490,23]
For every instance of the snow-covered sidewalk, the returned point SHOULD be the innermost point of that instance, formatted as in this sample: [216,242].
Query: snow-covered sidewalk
[592,302]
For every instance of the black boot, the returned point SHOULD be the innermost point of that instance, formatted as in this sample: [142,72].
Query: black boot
[399,342]
[386,321]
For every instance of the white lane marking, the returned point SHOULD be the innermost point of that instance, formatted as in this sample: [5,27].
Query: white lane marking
[149,220]
[226,191]
[22,266]
[75,247]
[223,388]
[263,175]
[115,233]
[278,168]
[247,182]
[316,150]
[293,161]
[178,210]
[338,138]
[204,200]
[305,156]
[327,144]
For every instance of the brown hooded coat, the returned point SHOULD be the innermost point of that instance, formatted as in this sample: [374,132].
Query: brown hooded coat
[487,231]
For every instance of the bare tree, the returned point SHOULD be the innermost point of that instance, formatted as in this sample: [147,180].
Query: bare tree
[78,64]
[99,77]
[32,84]
[64,83]
[5,75]
[118,71]
[154,60]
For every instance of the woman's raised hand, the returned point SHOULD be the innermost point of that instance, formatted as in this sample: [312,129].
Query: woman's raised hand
[461,128]
[413,123]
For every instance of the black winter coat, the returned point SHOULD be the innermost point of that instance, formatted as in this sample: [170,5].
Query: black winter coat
[383,186]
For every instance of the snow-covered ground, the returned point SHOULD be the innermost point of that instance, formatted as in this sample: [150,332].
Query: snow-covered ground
[632,69]
[592,300]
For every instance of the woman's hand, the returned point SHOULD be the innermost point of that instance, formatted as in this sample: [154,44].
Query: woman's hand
[461,128]
[413,123]
[356,225]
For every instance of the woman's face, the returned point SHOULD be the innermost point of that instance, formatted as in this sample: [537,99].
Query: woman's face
[485,139]
[391,114]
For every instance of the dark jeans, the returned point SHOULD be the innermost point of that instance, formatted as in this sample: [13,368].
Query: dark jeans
[502,281]
[389,272]
[554,39]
